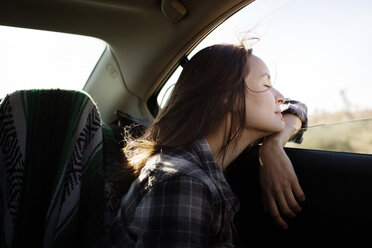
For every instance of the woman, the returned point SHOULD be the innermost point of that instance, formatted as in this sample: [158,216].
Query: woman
[222,103]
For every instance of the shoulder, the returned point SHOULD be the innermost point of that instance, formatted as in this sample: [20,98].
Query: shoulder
[163,167]
[179,189]
[173,188]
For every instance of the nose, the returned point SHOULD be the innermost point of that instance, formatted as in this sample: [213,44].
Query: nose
[279,97]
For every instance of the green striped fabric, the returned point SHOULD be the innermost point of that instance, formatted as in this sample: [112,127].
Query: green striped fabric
[53,192]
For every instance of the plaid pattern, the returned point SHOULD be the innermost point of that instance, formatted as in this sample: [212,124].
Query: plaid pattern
[300,110]
[180,199]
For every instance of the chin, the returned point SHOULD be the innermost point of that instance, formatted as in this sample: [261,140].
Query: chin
[277,128]
[271,127]
[271,130]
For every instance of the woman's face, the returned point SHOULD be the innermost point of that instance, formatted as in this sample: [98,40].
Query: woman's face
[262,101]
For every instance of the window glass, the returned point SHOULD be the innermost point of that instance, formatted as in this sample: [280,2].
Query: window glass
[32,59]
[349,136]
[317,52]
[167,88]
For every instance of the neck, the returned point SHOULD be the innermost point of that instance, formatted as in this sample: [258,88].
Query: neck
[216,141]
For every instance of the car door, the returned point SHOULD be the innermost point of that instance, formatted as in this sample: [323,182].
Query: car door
[337,183]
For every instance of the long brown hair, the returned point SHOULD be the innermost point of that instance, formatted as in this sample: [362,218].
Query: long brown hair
[211,85]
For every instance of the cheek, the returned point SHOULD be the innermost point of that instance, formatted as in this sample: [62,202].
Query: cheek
[260,102]
[260,113]
[255,113]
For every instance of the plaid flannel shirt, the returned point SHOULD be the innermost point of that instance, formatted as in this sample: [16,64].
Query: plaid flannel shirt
[180,199]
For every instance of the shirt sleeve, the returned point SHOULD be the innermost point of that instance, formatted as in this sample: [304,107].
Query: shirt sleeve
[174,213]
[300,110]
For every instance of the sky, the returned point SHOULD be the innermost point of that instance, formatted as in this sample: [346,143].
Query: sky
[318,52]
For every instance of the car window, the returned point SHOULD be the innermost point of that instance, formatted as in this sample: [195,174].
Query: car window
[32,59]
[167,88]
[349,136]
[318,53]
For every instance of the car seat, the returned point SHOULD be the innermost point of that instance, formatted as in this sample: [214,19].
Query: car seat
[56,158]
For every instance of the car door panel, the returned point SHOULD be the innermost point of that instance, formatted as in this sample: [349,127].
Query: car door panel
[337,210]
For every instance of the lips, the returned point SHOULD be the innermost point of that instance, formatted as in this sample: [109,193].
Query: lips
[281,115]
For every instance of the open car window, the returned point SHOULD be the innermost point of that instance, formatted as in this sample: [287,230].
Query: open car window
[31,59]
[317,56]
[354,136]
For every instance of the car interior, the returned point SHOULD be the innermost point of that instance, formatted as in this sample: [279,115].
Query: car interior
[145,43]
